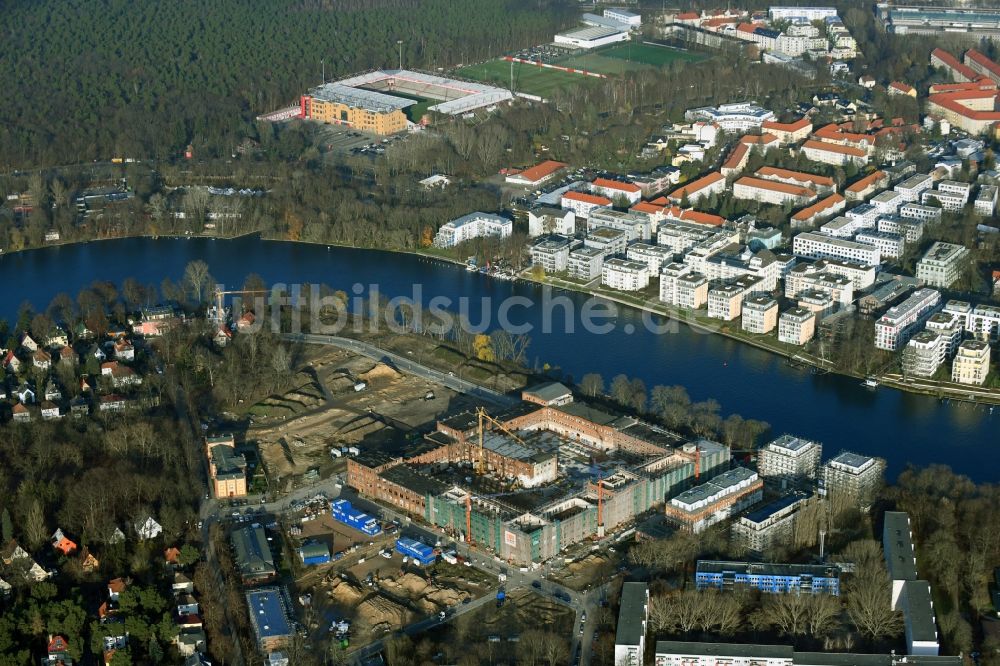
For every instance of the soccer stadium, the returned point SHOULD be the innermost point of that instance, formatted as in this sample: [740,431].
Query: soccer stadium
[375,101]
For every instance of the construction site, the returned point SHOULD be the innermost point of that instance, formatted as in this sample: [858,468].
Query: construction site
[342,403]
[531,482]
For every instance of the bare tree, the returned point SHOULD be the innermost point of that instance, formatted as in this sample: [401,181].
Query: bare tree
[196,277]
[869,592]
[592,384]
[556,649]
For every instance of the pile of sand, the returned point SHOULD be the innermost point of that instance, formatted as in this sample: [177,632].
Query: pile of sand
[379,371]
[378,612]
[344,592]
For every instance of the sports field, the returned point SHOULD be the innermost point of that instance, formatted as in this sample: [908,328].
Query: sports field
[628,57]
[527,78]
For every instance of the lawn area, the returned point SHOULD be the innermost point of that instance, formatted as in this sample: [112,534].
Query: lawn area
[527,78]
[650,54]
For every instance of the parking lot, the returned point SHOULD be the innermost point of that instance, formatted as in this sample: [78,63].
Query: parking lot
[339,139]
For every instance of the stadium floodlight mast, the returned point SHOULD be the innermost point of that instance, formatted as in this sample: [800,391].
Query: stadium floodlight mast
[399,43]
[322,64]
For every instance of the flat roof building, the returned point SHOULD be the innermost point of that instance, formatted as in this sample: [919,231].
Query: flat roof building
[789,459]
[853,477]
[725,495]
[796,326]
[770,526]
[624,274]
[895,327]
[821,246]
[972,363]
[942,264]
[768,577]
[473,225]
[633,616]
[269,614]
[760,314]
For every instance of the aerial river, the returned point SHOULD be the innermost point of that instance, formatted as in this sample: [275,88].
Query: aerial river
[837,411]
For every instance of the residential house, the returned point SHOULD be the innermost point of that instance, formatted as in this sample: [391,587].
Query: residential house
[20,413]
[88,561]
[28,344]
[41,359]
[124,350]
[25,394]
[182,584]
[56,338]
[79,406]
[50,410]
[115,587]
[19,563]
[222,336]
[112,403]
[63,543]
[52,391]
[67,356]
[11,362]
[148,529]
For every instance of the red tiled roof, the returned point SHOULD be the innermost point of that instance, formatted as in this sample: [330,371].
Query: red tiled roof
[786,127]
[688,16]
[837,133]
[951,62]
[761,184]
[586,197]
[647,207]
[818,207]
[982,84]
[696,185]
[616,185]
[866,182]
[541,171]
[735,158]
[800,176]
[981,60]
[688,215]
[902,87]
[834,148]
[953,102]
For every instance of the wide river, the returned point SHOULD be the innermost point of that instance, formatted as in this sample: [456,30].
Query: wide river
[903,428]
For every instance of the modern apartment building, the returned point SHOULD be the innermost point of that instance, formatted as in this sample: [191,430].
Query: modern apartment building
[624,275]
[890,246]
[725,302]
[760,314]
[584,263]
[789,459]
[636,225]
[986,200]
[820,246]
[725,495]
[924,354]
[942,264]
[654,256]
[913,187]
[854,477]
[920,212]
[552,253]
[544,220]
[950,194]
[581,203]
[796,326]
[894,328]
[972,363]
[911,230]
[473,225]
[609,241]
[772,525]
[804,277]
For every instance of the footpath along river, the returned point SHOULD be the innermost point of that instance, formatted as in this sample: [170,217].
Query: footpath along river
[837,411]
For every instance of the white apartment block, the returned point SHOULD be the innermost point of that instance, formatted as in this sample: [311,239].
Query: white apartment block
[654,256]
[796,326]
[682,236]
[865,216]
[551,253]
[887,203]
[547,220]
[820,246]
[628,18]
[801,14]
[739,118]
[789,457]
[982,321]
[951,194]
[972,363]
[638,226]
[723,267]
[894,328]
[986,200]
[841,227]
[760,314]
[942,264]
[581,203]
[924,354]
[585,263]
[609,241]
[889,245]
[835,154]
[861,275]
[725,302]
[702,188]
[948,325]
[812,277]
[911,230]
[920,212]
[624,275]
[913,187]
[613,189]
[473,225]
[682,287]
[723,496]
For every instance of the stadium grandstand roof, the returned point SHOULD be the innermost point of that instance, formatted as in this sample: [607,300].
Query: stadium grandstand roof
[591,32]
[457,96]
[360,98]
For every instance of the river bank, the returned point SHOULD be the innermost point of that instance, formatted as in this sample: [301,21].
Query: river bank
[793,354]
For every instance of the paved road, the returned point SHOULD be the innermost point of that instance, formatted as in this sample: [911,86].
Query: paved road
[452,381]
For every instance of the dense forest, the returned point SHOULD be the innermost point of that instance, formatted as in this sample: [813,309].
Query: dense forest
[87,79]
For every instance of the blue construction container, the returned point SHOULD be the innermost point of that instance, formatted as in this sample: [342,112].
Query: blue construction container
[421,553]
[344,512]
